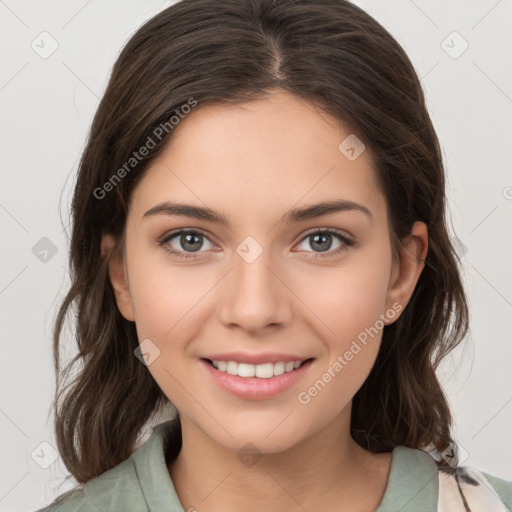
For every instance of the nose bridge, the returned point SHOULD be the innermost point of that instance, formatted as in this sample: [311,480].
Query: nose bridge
[255,296]
[252,268]
[252,274]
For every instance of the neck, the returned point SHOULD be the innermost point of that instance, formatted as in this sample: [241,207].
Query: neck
[329,469]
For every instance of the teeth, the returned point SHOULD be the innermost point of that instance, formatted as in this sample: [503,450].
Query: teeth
[263,371]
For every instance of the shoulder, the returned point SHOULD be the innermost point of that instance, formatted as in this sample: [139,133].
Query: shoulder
[502,487]
[481,491]
[70,500]
[116,489]
[139,483]
[417,483]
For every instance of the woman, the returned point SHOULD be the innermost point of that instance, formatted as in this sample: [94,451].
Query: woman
[259,239]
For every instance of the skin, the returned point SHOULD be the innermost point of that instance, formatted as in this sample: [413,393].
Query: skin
[253,163]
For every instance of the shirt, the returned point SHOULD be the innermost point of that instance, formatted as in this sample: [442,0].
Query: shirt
[142,483]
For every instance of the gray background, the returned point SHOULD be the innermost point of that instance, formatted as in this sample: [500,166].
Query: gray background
[47,105]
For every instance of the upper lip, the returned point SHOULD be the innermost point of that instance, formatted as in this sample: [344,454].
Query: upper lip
[241,357]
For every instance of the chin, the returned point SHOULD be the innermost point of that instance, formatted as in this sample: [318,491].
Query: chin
[260,437]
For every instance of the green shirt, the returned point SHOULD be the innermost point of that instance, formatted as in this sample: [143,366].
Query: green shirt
[142,483]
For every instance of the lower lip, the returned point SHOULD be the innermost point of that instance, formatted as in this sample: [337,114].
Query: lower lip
[254,388]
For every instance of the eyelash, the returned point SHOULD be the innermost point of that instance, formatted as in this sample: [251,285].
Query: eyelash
[346,242]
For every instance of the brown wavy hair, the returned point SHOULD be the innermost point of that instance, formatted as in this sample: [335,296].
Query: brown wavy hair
[331,53]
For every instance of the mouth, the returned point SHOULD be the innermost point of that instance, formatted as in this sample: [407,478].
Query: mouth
[255,382]
[260,371]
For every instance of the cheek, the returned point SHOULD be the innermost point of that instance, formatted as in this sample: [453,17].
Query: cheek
[165,296]
[165,315]
[349,298]
[169,304]
[350,302]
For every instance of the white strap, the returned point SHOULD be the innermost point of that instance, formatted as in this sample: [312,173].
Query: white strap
[467,490]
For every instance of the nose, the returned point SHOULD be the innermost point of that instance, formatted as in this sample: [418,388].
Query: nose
[254,295]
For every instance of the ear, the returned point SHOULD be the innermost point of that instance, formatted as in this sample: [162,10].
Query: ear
[118,276]
[408,267]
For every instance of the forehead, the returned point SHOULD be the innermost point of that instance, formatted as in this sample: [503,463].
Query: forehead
[259,157]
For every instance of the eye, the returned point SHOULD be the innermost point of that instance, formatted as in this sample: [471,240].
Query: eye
[189,240]
[321,240]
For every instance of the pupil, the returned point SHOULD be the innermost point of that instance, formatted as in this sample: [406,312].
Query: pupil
[323,240]
[186,238]
[325,237]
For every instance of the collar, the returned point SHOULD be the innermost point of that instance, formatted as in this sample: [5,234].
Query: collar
[153,473]
[412,483]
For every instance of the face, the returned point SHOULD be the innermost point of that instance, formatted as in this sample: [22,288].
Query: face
[265,285]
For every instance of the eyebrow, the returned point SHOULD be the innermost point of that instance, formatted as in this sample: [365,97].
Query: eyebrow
[292,216]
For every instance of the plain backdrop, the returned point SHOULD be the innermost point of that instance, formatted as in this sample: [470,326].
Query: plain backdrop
[462,50]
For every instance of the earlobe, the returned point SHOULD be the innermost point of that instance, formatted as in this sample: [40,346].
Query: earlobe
[407,269]
[118,276]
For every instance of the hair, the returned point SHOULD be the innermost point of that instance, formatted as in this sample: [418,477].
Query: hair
[327,52]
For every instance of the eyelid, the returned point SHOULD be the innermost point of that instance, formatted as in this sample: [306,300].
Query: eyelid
[346,239]
[179,231]
[340,232]
[347,242]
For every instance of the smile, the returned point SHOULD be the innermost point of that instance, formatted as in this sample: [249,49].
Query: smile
[255,382]
[262,371]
